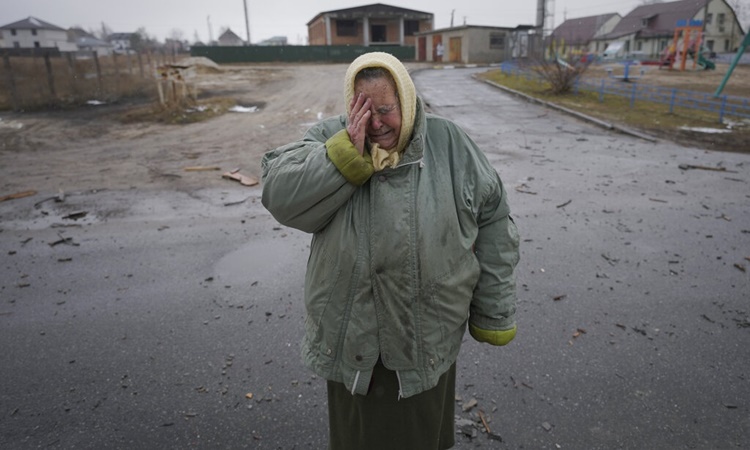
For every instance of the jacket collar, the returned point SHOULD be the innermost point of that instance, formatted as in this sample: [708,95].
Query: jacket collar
[415,150]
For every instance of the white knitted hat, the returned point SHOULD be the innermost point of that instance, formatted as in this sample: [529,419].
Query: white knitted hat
[406,92]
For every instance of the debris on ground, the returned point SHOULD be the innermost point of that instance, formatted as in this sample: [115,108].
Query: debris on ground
[244,180]
[201,168]
[59,198]
[469,404]
[17,195]
[76,215]
[715,169]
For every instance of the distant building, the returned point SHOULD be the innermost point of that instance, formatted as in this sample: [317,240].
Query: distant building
[649,29]
[276,40]
[121,42]
[87,42]
[576,35]
[368,25]
[230,39]
[466,44]
[36,33]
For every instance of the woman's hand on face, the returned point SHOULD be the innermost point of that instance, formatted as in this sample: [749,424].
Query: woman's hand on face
[359,116]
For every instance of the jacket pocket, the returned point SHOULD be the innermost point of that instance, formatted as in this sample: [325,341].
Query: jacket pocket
[322,282]
[446,309]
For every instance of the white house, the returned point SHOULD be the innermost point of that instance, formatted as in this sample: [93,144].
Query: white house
[36,33]
[121,42]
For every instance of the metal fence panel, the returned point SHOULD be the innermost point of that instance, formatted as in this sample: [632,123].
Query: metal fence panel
[726,105]
[297,53]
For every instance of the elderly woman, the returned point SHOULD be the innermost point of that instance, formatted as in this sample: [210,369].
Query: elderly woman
[412,240]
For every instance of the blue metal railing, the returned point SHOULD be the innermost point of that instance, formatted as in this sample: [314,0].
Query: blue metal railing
[725,105]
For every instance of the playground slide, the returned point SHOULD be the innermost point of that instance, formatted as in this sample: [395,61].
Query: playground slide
[706,64]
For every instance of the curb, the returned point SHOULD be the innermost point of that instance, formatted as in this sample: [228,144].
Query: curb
[582,116]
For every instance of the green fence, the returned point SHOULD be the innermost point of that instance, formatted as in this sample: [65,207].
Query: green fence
[298,53]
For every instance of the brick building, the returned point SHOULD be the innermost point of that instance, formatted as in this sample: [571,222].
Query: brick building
[369,25]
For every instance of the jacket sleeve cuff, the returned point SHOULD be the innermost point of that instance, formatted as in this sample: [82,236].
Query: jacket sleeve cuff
[357,169]
[492,337]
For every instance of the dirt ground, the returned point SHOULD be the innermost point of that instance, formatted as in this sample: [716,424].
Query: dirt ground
[689,79]
[92,148]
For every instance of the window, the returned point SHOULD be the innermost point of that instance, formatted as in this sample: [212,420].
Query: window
[36,44]
[709,18]
[378,33]
[720,18]
[411,27]
[710,45]
[33,31]
[726,45]
[12,31]
[497,40]
[16,44]
[639,46]
[346,27]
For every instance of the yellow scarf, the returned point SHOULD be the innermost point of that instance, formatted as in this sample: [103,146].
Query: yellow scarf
[407,95]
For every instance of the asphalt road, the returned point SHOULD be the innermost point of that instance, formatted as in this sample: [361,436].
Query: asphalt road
[169,320]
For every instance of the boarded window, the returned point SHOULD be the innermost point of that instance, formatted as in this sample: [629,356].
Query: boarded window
[346,28]
[411,27]
[497,40]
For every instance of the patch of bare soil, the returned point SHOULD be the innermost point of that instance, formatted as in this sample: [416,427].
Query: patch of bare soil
[93,148]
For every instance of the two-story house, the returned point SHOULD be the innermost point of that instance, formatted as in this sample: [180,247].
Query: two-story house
[36,33]
[574,36]
[649,29]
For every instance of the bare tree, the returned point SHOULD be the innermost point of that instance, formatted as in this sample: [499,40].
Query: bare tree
[105,31]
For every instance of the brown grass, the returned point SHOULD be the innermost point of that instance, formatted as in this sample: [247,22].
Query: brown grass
[651,118]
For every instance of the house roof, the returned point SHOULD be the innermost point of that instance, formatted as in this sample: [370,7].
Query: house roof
[373,10]
[658,19]
[31,23]
[582,30]
[229,34]
[120,36]
[90,41]
[463,27]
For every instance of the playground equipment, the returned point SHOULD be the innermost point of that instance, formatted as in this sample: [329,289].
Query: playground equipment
[626,73]
[740,51]
[692,35]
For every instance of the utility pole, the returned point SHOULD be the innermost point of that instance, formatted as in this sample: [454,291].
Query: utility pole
[247,23]
[210,32]
[452,12]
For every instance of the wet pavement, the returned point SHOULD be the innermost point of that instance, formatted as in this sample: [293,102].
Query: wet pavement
[169,320]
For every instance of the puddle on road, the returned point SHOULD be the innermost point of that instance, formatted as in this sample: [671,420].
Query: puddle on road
[264,260]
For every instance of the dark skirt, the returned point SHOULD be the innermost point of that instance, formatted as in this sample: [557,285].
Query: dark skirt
[379,420]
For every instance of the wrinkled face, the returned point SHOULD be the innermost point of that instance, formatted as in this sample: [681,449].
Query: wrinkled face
[384,127]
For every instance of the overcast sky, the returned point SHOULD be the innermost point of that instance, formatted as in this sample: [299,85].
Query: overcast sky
[270,18]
